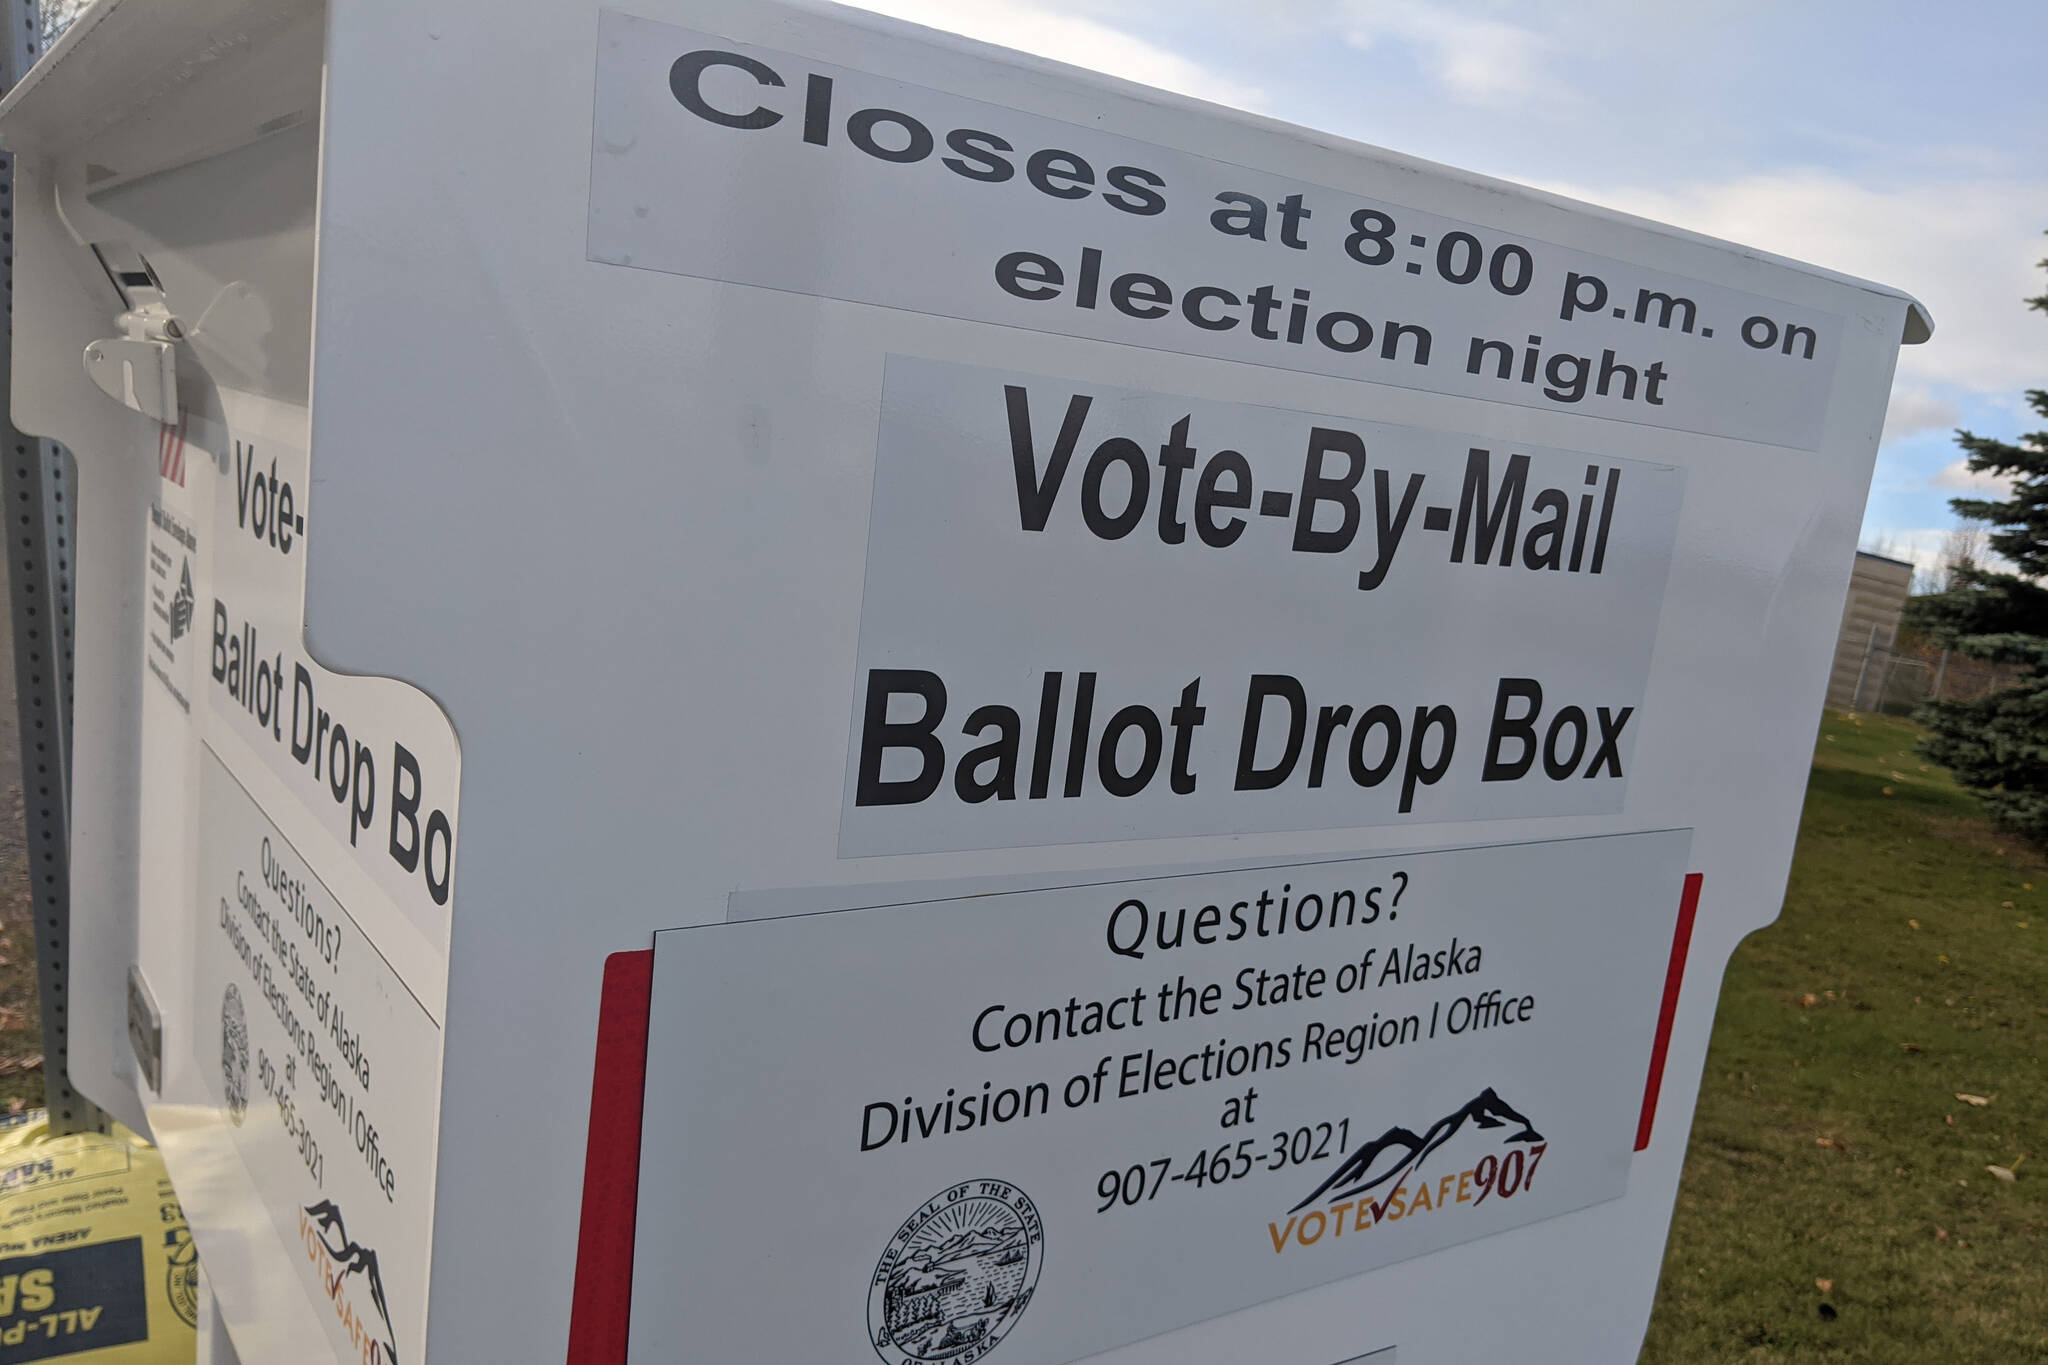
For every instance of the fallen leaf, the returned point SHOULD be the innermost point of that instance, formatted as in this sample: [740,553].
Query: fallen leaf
[1978,1100]
[1941,957]
[2005,905]
[1808,1000]
[1941,1234]
[1887,791]
[1912,1047]
[1824,1286]
[1898,777]
[2003,1173]
[1831,1144]
[1951,1119]
[1914,923]
[1898,1170]
[1829,994]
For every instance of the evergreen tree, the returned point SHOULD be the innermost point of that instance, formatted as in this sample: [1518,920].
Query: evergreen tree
[1998,746]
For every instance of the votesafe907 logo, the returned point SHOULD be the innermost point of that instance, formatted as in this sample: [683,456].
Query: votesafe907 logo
[956,1276]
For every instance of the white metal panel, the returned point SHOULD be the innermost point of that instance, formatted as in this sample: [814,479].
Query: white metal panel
[660,479]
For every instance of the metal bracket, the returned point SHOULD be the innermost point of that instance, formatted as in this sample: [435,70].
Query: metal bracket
[137,370]
[36,531]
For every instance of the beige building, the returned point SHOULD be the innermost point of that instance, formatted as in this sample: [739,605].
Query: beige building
[1870,624]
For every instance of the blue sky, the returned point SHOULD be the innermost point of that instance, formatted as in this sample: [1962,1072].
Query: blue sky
[1906,143]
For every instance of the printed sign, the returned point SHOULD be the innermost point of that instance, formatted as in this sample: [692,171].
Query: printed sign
[1164,615]
[304,831]
[83,1298]
[172,603]
[373,760]
[991,1115]
[838,182]
[326,1070]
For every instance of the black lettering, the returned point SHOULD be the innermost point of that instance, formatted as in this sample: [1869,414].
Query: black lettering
[1059,174]
[1141,719]
[878,735]
[1028,275]
[405,807]
[1609,752]
[1116,450]
[686,76]
[1318,488]
[1002,751]
[1521,729]
[1505,516]
[1141,186]
[860,131]
[977,159]
[1035,492]
[1210,494]
[1559,767]
[1141,296]
[1427,772]
[1251,777]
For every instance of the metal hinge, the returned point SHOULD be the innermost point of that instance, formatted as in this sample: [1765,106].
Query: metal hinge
[140,368]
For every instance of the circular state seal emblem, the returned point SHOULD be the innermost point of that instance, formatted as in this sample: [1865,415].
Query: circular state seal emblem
[181,1280]
[234,1054]
[957,1275]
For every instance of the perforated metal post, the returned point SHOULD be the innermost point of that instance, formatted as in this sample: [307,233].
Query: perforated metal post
[36,483]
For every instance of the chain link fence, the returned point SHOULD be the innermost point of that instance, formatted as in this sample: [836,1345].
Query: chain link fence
[1895,679]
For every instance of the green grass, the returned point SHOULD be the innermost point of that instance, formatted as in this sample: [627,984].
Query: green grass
[1829,1143]
[21,1029]
[21,1032]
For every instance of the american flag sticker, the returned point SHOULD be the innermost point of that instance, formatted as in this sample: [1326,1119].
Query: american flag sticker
[170,451]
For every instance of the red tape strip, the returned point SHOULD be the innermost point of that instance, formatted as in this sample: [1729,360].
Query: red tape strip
[611,1164]
[1674,977]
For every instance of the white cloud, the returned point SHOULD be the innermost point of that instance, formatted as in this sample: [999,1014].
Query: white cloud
[1480,60]
[1075,40]
[1921,546]
[1957,477]
[1915,410]
[1966,249]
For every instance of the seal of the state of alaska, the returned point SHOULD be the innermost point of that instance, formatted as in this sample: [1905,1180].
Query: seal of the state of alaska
[957,1276]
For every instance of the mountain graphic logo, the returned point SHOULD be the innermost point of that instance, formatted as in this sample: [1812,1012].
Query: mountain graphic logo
[1398,1153]
[956,1276]
[182,602]
[347,1260]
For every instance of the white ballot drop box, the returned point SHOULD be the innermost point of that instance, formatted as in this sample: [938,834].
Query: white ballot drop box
[755,683]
